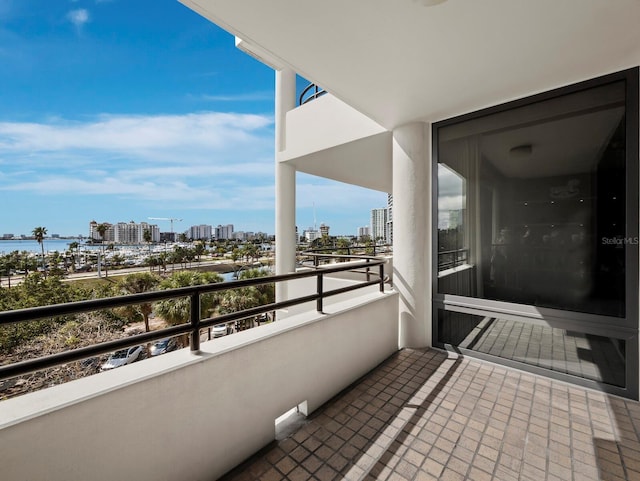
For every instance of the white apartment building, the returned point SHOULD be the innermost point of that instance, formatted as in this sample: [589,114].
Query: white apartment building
[109,234]
[364,231]
[200,232]
[379,221]
[309,235]
[224,231]
[390,219]
[133,233]
[125,232]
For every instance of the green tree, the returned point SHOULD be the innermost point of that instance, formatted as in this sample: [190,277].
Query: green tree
[73,251]
[199,249]
[54,264]
[39,234]
[146,236]
[136,284]
[102,230]
[234,300]
[178,311]
[118,259]
[6,266]
[35,290]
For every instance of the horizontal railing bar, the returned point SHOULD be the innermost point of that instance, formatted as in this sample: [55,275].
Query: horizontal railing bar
[32,365]
[256,311]
[342,290]
[452,251]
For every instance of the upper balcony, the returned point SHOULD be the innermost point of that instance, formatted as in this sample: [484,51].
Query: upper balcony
[328,138]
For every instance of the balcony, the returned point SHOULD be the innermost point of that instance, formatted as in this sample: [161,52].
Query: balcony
[373,412]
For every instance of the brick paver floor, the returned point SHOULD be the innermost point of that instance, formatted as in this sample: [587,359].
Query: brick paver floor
[429,415]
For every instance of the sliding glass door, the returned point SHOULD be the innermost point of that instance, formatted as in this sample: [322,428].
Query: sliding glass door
[536,242]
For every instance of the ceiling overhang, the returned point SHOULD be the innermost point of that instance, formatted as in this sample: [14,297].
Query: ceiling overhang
[400,61]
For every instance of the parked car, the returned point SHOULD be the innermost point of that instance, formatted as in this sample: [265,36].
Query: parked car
[163,345]
[122,357]
[91,364]
[219,330]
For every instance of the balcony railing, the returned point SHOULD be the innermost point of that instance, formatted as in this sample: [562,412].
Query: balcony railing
[452,258]
[310,92]
[196,324]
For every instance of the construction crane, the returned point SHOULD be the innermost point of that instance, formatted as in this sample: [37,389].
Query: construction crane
[170,219]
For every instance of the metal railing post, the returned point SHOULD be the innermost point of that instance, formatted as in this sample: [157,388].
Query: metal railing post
[195,322]
[381,277]
[368,273]
[320,293]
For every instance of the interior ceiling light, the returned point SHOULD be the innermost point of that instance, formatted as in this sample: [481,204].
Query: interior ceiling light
[429,3]
[521,151]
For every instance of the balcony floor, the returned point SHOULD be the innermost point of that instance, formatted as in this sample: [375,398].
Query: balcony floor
[427,415]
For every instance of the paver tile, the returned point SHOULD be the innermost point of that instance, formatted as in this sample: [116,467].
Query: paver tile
[411,419]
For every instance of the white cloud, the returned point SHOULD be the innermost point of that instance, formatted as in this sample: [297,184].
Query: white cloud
[201,160]
[140,136]
[78,17]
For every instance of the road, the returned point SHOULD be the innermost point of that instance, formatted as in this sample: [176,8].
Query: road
[218,265]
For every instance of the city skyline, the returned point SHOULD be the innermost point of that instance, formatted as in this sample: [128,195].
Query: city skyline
[164,229]
[170,120]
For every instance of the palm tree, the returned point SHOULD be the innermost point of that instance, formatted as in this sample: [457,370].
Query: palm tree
[73,249]
[238,299]
[102,230]
[39,233]
[135,284]
[146,235]
[178,311]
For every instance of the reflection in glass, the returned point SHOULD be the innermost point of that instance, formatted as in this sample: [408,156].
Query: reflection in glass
[531,204]
[587,356]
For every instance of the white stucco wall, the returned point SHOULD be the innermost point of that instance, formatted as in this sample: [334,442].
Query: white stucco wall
[330,139]
[187,417]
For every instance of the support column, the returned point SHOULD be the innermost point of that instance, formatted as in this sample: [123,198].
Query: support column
[285,182]
[412,232]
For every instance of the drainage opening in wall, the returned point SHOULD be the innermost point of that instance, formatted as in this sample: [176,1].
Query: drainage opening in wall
[290,421]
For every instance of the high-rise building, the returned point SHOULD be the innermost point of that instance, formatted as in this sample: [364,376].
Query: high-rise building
[363,232]
[324,230]
[311,234]
[200,232]
[389,237]
[108,236]
[224,231]
[124,232]
[379,224]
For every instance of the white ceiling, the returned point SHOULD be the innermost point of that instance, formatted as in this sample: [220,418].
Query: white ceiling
[566,146]
[398,61]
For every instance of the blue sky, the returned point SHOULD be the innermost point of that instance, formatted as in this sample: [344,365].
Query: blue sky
[120,110]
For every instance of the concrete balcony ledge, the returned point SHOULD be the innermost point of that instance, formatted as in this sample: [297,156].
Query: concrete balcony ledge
[186,416]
